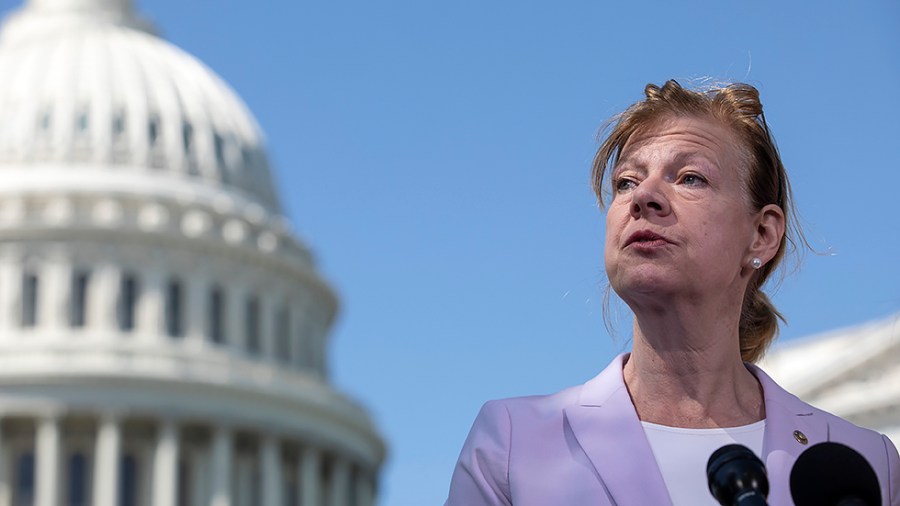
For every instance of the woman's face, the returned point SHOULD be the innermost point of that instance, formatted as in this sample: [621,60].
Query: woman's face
[679,222]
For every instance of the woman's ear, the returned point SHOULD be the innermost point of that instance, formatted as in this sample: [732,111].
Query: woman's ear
[770,224]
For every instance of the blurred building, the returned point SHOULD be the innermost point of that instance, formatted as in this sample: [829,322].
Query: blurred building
[853,373]
[162,332]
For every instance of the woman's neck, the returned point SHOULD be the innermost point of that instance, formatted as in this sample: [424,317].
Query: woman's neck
[685,370]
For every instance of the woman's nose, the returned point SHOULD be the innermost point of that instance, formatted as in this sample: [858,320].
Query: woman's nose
[648,200]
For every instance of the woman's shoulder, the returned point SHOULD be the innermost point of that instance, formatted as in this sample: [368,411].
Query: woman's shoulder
[877,448]
[535,405]
[498,416]
[504,427]
[541,407]
[776,394]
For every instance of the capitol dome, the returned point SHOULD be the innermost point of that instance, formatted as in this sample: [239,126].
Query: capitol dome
[162,331]
[87,86]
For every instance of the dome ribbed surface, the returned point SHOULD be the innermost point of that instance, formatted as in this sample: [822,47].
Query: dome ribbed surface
[87,85]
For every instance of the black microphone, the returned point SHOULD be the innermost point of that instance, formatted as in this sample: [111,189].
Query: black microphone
[737,477]
[832,474]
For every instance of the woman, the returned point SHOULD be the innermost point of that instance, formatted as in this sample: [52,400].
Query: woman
[699,216]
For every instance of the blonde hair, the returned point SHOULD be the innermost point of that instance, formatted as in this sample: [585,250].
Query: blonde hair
[738,107]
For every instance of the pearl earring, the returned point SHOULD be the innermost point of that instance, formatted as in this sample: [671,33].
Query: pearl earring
[756,263]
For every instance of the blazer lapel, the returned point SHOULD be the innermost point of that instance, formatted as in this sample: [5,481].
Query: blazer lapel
[607,429]
[791,428]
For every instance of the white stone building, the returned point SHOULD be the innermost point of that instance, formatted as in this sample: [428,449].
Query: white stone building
[853,373]
[162,332]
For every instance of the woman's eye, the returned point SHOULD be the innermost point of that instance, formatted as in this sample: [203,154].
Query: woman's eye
[624,184]
[693,180]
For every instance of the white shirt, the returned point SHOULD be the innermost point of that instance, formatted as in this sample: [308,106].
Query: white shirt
[682,454]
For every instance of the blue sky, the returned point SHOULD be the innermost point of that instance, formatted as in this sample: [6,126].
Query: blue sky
[435,156]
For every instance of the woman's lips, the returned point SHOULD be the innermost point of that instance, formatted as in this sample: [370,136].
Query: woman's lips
[646,240]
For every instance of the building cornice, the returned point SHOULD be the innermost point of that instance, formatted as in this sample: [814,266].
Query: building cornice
[187,384]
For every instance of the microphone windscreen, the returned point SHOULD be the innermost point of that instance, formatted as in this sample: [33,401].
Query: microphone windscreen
[830,474]
[737,476]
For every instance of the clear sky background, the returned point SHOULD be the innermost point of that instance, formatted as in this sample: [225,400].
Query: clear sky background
[435,156]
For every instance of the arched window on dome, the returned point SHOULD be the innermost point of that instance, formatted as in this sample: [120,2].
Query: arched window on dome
[120,149]
[81,122]
[282,335]
[187,136]
[248,162]
[129,294]
[78,296]
[43,137]
[251,325]
[118,125]
[216,315]
[154,133]
[219,151]
[174,308]
[29,302]
[153,130]
[187,140]
[81,149]
[79,481]
[45,122]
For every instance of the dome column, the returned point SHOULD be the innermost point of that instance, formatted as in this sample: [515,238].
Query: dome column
[221,467]
[102,296]
[165,465]
[47,452]
[151,304]
[310,478]
[52,296]
[272,474]
[107,454]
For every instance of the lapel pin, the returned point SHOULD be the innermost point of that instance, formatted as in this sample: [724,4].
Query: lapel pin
[800,437]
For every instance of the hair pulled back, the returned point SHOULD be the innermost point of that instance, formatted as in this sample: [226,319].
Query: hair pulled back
[737,107]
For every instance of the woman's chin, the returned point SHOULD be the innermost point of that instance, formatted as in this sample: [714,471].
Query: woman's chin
[646,283]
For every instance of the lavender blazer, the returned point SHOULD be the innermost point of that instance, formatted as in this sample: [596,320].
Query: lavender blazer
[586,446]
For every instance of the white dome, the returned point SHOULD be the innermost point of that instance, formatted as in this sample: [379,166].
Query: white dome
[85,84]
[155,308]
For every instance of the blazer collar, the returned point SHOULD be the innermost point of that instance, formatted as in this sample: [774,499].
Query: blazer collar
[607,428]
[792,426]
